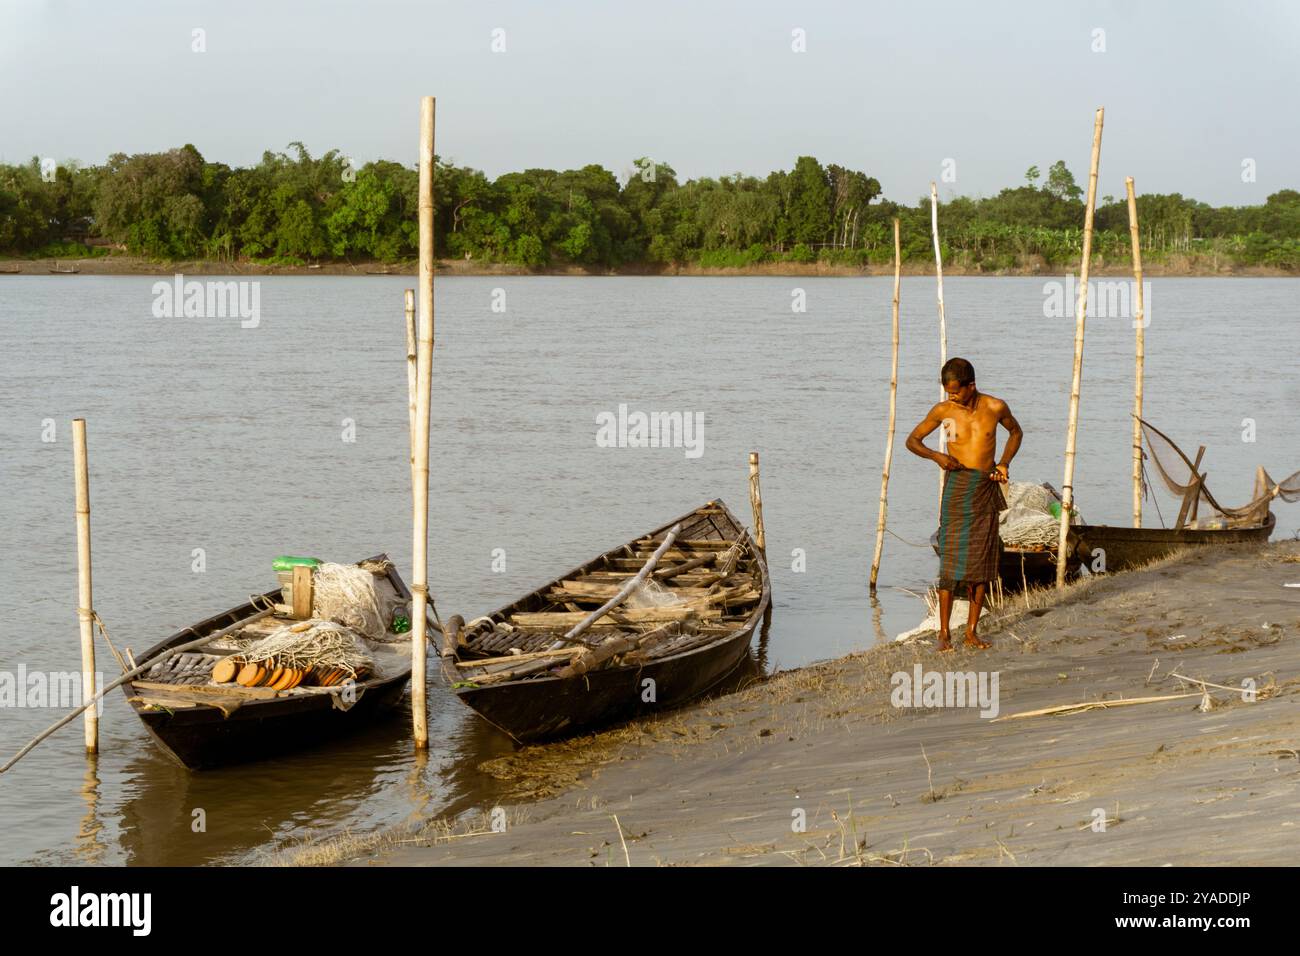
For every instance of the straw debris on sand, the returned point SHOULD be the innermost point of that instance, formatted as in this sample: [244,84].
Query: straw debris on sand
[816,766]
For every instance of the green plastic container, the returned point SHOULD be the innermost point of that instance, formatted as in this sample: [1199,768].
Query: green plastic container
[287,562]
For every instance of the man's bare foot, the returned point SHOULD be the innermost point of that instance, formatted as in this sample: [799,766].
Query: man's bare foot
[945,643]
[973,640]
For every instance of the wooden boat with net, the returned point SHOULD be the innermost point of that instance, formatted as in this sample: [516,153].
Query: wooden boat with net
[1201,520]
[643,627]
[200,720]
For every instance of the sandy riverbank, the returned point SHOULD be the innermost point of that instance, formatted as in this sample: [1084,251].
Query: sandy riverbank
[134,265]
[723,782]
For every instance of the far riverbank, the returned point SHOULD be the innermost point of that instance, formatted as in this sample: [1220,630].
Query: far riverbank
[139,266]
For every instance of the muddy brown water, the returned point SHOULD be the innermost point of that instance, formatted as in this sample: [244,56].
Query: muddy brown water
[215,447]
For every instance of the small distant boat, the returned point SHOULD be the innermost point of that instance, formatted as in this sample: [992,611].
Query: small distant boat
[200,723]
[1127,548]
[56,271]
[1123,548]
[709,593]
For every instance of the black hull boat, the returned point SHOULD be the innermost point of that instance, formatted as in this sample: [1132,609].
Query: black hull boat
[1126,548]
[714,583]
[208,725]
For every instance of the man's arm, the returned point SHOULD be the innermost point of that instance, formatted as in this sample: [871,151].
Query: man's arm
[1014,435]
[916,441]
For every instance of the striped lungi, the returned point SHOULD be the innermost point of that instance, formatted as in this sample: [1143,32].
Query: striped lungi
[969,546]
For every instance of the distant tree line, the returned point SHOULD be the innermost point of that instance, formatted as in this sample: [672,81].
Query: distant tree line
[294,208]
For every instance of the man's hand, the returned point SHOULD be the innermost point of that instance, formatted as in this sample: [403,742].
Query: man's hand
[999,474]
[948,463]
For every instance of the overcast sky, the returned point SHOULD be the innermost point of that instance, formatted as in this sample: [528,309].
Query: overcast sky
[1191,89]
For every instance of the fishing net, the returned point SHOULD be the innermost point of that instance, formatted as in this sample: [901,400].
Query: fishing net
[1183,479]
[321,645]
[653,594]
[346,594]
[1028,521]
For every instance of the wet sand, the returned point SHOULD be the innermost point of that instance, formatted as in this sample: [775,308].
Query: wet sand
[726,781]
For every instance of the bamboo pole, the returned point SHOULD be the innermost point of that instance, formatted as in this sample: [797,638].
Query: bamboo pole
[943,320]
[1080,317]
[893,402]
[1139,352]
[134,672]
[756,503]
[85,595]
[420,448]
[412,374]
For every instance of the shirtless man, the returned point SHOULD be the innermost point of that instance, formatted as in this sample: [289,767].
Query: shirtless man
[969,546]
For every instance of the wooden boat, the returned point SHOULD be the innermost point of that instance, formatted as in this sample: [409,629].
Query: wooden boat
[1127,548]
[1022,567]
[207,724]
[516,670]
[1124,548]
[56,271]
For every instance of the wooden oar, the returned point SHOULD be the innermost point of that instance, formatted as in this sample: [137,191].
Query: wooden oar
[624,592]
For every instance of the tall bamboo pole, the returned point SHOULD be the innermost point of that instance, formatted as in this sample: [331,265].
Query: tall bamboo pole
[85,596]
[1139,320]
[412,376]
[1080,317]
[756,503]
[424,374]
[893,402]
[943,320]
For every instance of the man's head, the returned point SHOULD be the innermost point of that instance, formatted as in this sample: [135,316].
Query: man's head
[958,378]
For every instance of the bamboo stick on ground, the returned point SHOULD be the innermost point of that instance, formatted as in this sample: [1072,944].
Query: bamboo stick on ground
[1139,359]
[1080,318]
[1094,705]
[893,407]
[85,594]
[420,451]
[943,320]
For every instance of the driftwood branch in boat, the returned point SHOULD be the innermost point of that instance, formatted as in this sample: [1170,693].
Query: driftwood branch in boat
[165,655]
[631,615]
[593,658]
[635,582]
[665,574]
[520,658]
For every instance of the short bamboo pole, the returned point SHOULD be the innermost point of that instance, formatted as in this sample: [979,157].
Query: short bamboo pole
[85,593]
[420,449]
[1139,320]
[943,320]
[1080,317]
[756,503]
[893,404]
[412,375]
